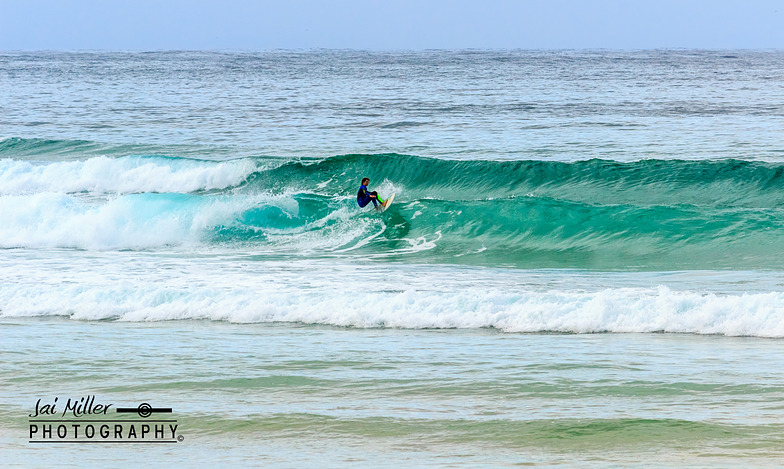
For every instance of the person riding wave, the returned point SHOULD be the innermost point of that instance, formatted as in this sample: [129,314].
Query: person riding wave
[364,197]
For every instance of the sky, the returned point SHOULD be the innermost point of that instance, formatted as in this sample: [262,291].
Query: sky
[389,24]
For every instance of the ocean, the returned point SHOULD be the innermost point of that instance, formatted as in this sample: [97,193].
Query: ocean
[582,266]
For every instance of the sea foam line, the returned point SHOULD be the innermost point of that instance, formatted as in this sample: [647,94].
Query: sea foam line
[623,310]
[121,175]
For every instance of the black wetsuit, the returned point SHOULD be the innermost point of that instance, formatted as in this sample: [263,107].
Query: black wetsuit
[363,196]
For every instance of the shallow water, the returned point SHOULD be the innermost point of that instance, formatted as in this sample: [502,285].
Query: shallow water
[281,394]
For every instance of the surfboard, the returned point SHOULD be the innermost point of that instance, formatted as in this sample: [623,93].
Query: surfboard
[388,202]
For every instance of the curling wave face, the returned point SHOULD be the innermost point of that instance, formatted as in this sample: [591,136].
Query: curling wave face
[644,215]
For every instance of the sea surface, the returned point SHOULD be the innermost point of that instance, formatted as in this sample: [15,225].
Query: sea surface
[582,267]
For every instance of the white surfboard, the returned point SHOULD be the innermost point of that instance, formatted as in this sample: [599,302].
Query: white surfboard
[388,202]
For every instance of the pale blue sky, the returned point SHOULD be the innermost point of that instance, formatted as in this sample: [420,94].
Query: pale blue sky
[389,24]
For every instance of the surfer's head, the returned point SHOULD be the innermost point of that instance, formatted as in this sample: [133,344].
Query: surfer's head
[365,181]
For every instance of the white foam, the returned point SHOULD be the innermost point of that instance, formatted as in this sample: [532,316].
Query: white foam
[358,296]
[387,188]
[333,232]
[322,185]
[121,175]
[134,221]
[144,221]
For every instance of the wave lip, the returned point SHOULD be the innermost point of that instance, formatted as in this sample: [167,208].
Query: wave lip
[122,175]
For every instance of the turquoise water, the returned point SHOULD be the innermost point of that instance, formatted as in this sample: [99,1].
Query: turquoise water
[580,267]
[642,215]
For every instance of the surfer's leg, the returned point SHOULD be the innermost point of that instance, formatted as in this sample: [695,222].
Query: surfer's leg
[378,197]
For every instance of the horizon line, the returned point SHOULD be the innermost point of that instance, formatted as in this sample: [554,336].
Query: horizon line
[433,49]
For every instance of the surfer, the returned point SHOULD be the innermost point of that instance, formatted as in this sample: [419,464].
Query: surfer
[364,197]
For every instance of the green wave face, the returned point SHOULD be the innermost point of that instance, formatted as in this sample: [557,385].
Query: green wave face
[594,214]
[594,182]
[591,214]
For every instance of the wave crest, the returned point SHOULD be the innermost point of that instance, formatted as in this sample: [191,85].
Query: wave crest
[654,215]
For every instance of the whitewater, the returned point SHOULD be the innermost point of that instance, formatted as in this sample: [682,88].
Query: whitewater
[582,263]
